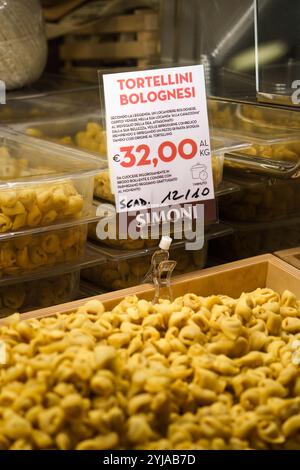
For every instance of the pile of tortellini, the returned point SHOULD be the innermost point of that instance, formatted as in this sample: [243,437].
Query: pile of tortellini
[30,252]
[38,293]
[120,274]
[34,205]
[195,373]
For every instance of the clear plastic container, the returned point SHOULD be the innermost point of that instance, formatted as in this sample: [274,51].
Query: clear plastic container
[44,288]
[42,184]
[51,83]
[32,107]
[124,269]
[39,293]
[37,249]
[250,240]
[244,118]
[128,269]
[267,119]
[260,201]
[81,131]
[278,157]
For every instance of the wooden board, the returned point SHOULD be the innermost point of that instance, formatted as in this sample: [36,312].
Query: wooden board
[291,256]
[230,279]
[80,50]
[122,24]
[118,39]
[57,11]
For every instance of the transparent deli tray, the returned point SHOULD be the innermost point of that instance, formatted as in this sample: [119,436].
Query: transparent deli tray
[37,249]
[243,118]
[38,289]
[42,184]
[277,158]
[27,107]
[79,131]
[51,83]
[39,293]
[249,240]
[124,269]
[260,200]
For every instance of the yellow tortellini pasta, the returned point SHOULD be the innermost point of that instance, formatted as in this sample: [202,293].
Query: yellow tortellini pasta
[25,253]
[34,205]
[195,373]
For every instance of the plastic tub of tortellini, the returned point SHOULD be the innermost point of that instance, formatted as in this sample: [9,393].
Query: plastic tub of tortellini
[83,131]
[39,248]
[276,157]
[244,118]
[124,269]
[268,119]
[42,185]
[260,200]
[257,238]
[34,294]
[54,285]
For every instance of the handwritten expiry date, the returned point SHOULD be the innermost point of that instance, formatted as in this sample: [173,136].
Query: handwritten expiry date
[177,196]
[171,196]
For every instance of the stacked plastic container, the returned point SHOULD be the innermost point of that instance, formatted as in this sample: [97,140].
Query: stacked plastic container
[265,211]
[45,207]
[127,268]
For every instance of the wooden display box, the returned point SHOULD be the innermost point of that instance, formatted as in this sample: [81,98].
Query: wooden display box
[230,279]
[123,40]
[291,256]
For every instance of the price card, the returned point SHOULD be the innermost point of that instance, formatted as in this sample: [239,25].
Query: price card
[158,137]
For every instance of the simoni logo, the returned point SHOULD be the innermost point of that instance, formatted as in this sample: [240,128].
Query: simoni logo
[296,94]
[167,214]
[2,92]
[180,222]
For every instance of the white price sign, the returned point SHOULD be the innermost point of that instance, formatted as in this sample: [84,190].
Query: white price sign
[158,137]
